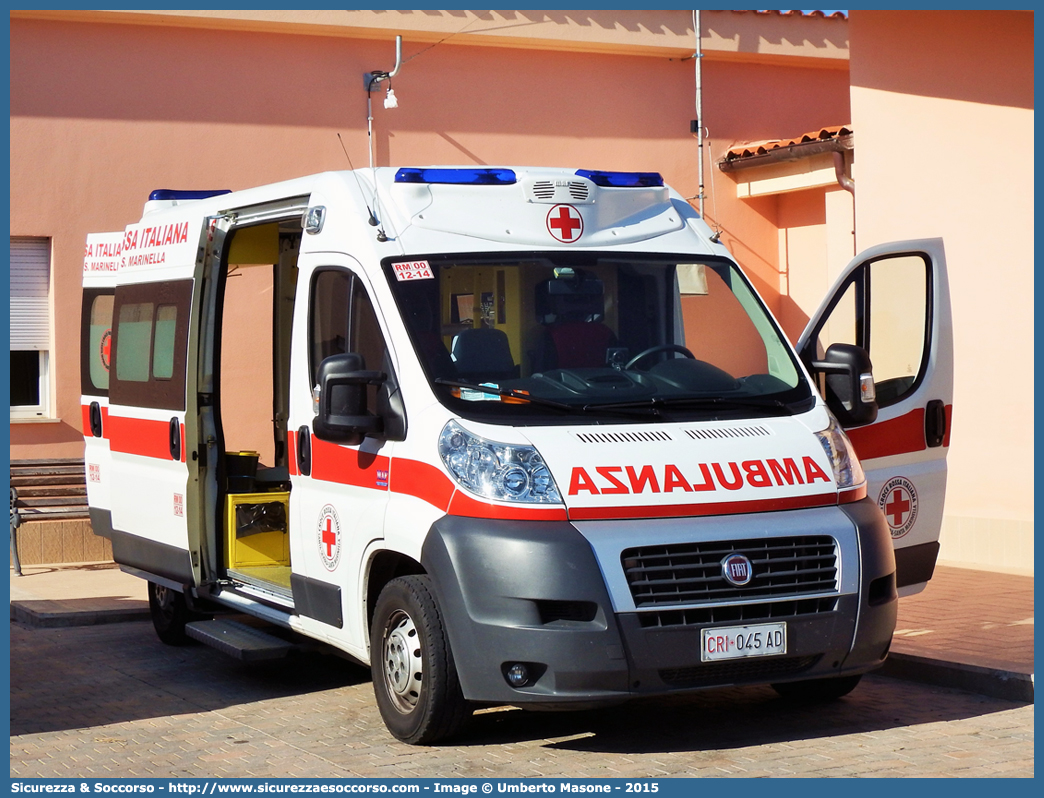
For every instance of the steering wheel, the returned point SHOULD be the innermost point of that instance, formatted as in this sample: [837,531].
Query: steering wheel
[652,350]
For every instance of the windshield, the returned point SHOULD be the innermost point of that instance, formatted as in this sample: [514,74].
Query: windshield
[530,338]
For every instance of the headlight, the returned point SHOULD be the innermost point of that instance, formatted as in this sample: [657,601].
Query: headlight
[847,471]
[496,470]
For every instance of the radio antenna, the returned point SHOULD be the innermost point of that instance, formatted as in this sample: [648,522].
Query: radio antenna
[358,183]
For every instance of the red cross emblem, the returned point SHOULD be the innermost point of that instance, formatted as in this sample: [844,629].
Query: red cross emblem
[898,507]
[898,502]
[565,223]
[328,536]
[329,539]
[106,348]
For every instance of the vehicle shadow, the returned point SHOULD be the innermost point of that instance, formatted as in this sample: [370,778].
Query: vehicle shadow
[79,677]
[90,677]
[730,718]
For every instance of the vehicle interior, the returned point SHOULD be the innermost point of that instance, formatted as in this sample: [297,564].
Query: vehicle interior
[257,307]
[583,329]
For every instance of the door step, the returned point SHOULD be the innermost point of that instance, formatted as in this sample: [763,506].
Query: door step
[239,640]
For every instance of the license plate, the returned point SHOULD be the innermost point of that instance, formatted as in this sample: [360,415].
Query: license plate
[734,642]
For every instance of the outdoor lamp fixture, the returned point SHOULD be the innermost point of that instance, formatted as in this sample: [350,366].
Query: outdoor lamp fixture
[372,81]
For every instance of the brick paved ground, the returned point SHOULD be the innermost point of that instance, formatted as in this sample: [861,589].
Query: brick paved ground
[963,615]
[113,701]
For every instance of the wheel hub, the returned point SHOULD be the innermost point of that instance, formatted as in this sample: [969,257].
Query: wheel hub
[164,600]
[403,665]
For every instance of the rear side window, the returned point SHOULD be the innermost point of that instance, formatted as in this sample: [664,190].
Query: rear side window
[96,341]
[149,343]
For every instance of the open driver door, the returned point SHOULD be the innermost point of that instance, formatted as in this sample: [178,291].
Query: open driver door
[893,300]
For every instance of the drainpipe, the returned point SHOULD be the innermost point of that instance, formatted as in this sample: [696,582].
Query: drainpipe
[848,185]
[843,179]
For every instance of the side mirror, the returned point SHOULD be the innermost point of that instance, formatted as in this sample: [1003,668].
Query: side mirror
[850,392]
[342,414]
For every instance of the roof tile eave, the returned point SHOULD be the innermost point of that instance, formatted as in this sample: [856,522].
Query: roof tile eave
[753,148]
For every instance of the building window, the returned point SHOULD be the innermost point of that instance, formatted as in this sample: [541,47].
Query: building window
[30,327]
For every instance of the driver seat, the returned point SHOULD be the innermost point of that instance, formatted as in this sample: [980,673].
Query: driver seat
[578,344]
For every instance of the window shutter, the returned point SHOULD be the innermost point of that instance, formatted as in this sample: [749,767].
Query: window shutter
[30,283]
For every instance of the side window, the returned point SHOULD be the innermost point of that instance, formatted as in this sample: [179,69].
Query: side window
[343,320]
[328,326]
[844,325]
[366,338]
[96,341]
[898,324]
[149,344]
[885,308]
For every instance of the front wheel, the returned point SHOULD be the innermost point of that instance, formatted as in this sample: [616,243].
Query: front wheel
[414,678]
[818,690]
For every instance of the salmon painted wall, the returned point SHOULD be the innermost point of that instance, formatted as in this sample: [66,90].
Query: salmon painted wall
[101,114]
[753,102]
[942,105]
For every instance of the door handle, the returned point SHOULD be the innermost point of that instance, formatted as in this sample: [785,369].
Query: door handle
[175,439]
[95,417]
[304,451]
[934,423]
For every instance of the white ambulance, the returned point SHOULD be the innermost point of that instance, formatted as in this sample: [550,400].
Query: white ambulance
[511,436]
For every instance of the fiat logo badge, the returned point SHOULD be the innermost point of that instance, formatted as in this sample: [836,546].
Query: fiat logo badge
[737,570]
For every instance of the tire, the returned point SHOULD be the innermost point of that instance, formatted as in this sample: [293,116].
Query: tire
[414,678]
[815,691]
[169,614]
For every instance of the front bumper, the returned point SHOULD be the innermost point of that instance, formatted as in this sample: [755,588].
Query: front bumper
[552,595]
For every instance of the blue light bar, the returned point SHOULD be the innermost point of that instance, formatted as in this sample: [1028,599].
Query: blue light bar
[622,179]
[177,194]
[462,177]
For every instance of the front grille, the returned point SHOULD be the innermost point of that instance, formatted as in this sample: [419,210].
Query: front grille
[737,613]
[734,671]
[690,573]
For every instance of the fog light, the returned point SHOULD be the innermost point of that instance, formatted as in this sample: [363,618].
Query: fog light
[518,675]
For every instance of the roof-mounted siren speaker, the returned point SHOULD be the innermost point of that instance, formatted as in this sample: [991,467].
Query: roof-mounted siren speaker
[163,198]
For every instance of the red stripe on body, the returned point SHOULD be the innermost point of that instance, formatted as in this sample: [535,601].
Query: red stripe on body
[143,437]
[901,435]
[425,481]
[430,484]
[464,505]
[85,412]
[852,495]
[711,508]
[334,463]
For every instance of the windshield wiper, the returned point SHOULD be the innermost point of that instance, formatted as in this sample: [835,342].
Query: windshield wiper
[708,401]
[511,393]
[508,392]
